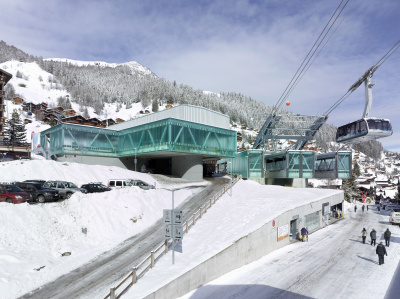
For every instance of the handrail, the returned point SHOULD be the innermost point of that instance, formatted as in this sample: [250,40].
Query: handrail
[190,222]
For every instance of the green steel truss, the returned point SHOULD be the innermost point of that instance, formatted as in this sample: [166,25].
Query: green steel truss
[167,135]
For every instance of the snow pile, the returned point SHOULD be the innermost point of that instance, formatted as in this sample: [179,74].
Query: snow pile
[33,236]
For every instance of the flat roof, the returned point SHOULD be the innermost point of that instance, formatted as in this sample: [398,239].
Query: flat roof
[184,112]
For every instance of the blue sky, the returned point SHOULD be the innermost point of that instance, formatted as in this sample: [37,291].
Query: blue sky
[251,47]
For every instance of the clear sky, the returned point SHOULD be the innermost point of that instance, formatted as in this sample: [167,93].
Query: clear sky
[250,47]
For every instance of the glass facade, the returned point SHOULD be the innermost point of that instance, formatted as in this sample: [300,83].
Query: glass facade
[159,136]
[344,165]
[248,164]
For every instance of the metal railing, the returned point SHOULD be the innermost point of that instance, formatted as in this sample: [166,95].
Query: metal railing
[149,262]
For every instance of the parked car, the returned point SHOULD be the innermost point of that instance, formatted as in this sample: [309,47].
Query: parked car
[24,158]
[38,192]
[13,194]
[142,184]
[95,187]
[119,183]
[66,189]
[35,181]
[394,217]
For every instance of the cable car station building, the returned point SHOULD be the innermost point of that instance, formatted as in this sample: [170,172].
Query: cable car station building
[172,142]
[176,141]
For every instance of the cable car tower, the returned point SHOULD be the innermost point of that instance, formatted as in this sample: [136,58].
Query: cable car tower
[367,128]
[278,127]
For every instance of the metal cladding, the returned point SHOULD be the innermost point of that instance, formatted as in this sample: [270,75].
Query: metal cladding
[185,112]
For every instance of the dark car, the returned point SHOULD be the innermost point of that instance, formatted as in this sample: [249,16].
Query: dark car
[95,187]
[13,194]
[38,192]
[35,181]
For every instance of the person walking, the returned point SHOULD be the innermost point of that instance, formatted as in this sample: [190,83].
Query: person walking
[355,208]
[381,251]
[304,233]
[367,208]
[364,235]
[363,207]
[373,236]
[387,237]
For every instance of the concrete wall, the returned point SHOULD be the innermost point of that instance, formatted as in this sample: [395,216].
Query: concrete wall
[188,167]
[90,160]
[245,250]
[296,183]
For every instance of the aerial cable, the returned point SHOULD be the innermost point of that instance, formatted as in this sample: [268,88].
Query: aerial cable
[302,71]
[323,47]
[378,65]
[281,99]
[373,69]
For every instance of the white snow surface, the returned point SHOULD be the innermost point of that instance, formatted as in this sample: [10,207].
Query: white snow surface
[250,207]
[35,235]
[332,264]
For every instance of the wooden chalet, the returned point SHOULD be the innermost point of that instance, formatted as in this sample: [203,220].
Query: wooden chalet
[108,122]
[78,119]
[119,120]
[94,122]
[168,106]
[18,101]
[69,112]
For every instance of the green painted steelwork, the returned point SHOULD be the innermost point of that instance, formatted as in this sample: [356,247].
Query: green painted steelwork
[167,135]
[248,164]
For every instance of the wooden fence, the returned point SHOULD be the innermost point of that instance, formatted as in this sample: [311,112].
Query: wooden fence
[150,261]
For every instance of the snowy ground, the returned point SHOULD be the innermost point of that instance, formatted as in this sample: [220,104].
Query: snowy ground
[250,207]
[34,236]
[333,264]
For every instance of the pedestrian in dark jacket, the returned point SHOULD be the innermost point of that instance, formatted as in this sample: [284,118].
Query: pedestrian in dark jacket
[381,251]
[387,237]
[367,208]
[364,235]
[304,233]
[363,207]
[355,208]
[373,236]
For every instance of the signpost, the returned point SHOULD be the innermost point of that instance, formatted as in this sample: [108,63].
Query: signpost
[173,228]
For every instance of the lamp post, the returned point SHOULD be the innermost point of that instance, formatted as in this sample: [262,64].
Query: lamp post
[173,192]
[135,158]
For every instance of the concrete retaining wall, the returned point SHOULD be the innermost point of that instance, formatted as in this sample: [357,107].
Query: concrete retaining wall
[188,167]
[245,250]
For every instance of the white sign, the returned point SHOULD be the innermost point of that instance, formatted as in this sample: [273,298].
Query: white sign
[167,231]
[177,232]
[177,217]
[283,232]
[167,215]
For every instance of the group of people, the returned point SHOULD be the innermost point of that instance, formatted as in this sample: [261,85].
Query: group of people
[380,249]
[362,208]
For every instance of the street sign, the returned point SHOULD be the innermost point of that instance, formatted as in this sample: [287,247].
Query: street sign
[177,232]
[177,217]
[167,216]
[167,231]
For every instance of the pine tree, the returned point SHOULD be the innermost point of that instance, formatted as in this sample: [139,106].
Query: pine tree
[350,187]
[14,130]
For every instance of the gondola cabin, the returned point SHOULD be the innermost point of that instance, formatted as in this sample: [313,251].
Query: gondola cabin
[365,129]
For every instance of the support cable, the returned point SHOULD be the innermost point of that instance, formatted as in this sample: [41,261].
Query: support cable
[282,97]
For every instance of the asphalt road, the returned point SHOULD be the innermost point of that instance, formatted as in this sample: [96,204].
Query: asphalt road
[94,279]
